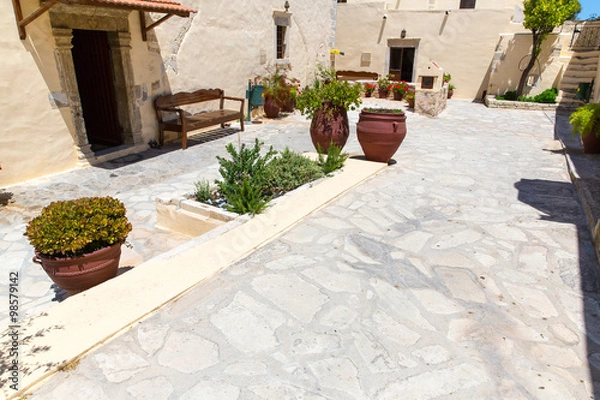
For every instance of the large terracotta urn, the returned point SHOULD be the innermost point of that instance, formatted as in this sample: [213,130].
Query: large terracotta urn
[329,125]
[380,132]
[271,107]
[78,273]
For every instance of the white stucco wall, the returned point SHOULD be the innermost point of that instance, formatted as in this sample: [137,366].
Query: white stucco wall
[461,42]
[512,55]
[223,45]
[437,4]
[35,140]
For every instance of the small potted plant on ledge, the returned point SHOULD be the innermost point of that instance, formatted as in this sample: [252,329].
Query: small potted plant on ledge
[399,89]
[326,102]
[380,132]
[78,242]
[586,121]
[383,87]
[369,89]
[410,99]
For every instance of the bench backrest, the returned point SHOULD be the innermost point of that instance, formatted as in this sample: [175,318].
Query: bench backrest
[184,98]
[355,75]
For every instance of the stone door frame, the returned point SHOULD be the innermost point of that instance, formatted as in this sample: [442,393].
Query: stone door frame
[63,20]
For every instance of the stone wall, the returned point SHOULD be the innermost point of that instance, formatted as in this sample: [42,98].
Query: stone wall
[431,102]
[491,102]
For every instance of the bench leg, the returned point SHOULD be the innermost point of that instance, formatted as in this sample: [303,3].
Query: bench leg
[184,140]
[242,124]
[161,135]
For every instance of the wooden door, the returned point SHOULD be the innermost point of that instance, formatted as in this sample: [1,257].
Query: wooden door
[402,61]
[94,70]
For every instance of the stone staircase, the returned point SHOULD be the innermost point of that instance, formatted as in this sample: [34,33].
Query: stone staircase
[581,68]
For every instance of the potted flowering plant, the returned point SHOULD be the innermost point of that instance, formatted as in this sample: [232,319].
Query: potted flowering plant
[399,89]
[78,242]
[369,89]
[276,89]
[326,102]
[383,86]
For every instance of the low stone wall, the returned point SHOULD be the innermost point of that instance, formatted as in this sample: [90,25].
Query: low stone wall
[431,102]
[491,102]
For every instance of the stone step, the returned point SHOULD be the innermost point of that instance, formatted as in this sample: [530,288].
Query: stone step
[575,79]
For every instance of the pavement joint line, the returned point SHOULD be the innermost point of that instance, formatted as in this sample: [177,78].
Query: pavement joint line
[72,329]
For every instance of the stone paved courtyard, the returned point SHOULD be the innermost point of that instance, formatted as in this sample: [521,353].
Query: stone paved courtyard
[463,271]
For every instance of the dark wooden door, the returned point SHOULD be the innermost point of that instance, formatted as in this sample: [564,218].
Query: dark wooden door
[402,61]
[93,67]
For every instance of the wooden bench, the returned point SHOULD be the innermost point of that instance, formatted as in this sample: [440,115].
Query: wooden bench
[171,117]
[356,75]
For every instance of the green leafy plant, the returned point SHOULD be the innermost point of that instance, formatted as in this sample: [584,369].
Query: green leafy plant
[326,89]
[246,165]
[202,190]
[409,96]
[275,83]
[384,83]
[385,110]
[451,87]
[246,198]
[511,95]
[447,78]
[586,120]
[335,158]
[75,227]
[290,170]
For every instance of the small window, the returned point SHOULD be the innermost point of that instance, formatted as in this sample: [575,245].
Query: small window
[467,3]
[427,82]
[281,42]
[341,1]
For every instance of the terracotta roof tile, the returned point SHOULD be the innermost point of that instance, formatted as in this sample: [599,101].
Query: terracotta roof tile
[161,6]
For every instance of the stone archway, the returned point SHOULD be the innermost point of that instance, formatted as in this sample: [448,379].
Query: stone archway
[116,23]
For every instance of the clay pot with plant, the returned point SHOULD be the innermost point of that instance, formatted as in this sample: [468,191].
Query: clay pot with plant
[383,87]
[78,242]
[585,121]
[399,89]
[326,103]
[369,89]
[276,90]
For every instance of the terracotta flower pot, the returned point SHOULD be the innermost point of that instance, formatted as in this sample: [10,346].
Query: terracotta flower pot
[380,134]
[76,274]
[383,94]
[591,143]
[330,125]
[398,95]
[271,107]
[450,93]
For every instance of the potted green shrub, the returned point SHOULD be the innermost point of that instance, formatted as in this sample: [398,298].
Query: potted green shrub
[383,86]
[380,131]
[410,99]
[78,242]
[276,91]
[326,102]
[585,120]
[451,88]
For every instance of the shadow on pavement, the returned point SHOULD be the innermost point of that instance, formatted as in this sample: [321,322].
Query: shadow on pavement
[194,140]
[558,201]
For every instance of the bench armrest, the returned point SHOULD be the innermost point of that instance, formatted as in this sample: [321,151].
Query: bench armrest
[160,110]
[236,99]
